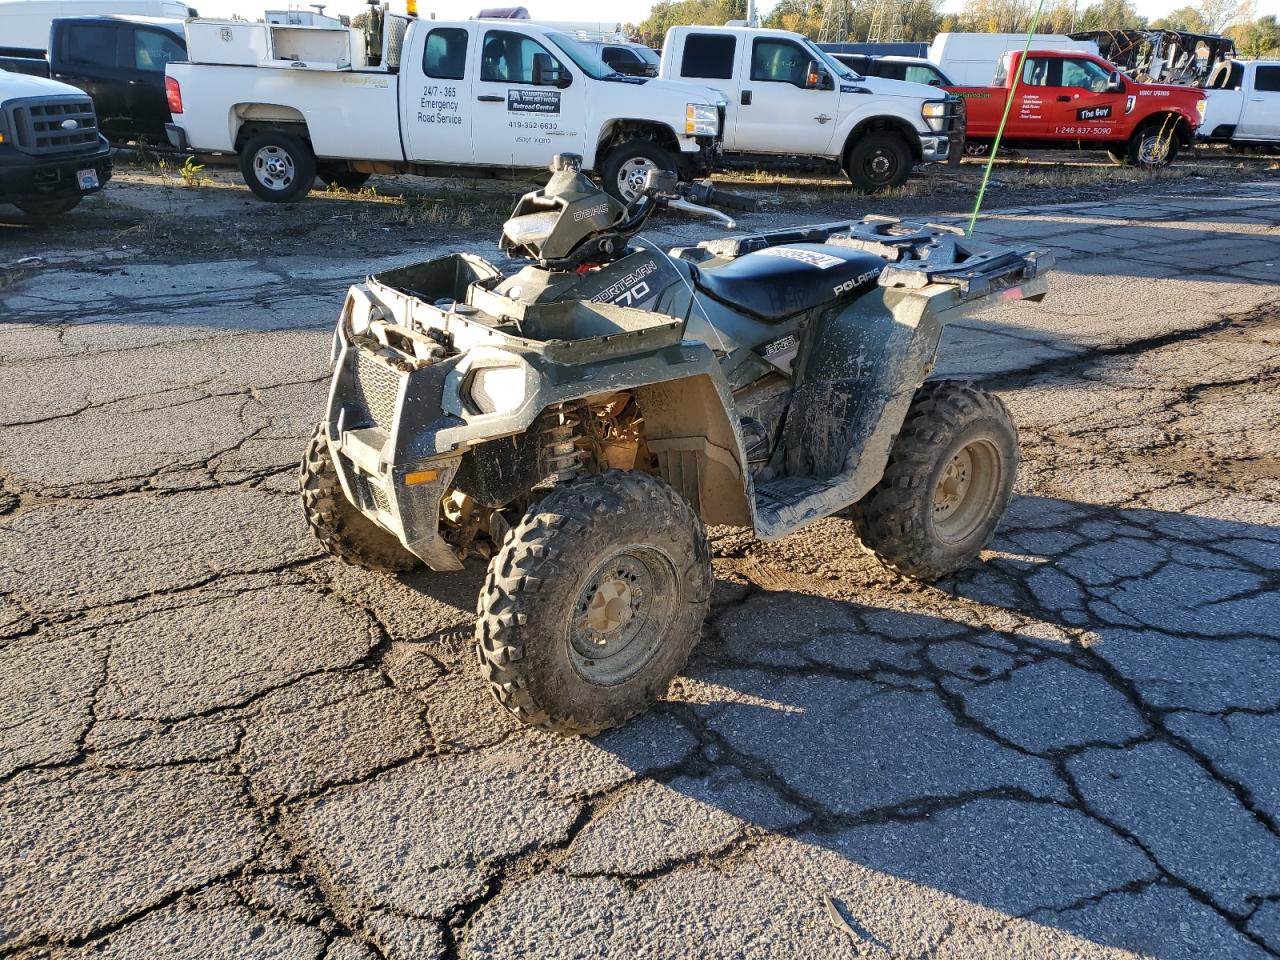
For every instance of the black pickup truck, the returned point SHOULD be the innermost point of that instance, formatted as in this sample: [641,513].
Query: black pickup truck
[51,152]
[119,61]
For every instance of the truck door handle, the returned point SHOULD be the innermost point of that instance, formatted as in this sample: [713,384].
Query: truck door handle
[1064,99]
[489,98]
[746,98]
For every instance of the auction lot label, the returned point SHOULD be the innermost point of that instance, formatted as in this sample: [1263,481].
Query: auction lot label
[533,101]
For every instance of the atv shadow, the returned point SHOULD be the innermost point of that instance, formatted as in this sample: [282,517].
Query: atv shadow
[1031,745]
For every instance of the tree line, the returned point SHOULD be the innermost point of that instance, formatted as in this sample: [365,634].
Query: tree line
[921,20]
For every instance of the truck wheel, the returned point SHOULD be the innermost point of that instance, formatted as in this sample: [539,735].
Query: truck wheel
[343,530]
[878,161]
[1154,146]
[340,176]
[278,167]
[948,481]
[623,171]
[594,602]
[41,208]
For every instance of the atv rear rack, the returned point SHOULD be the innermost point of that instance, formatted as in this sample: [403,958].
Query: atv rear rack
[918,253]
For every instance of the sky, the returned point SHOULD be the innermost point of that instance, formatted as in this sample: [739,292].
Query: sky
[585,11]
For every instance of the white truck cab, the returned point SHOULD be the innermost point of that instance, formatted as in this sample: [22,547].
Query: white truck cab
[1242,102]
[471,96]
[786,97]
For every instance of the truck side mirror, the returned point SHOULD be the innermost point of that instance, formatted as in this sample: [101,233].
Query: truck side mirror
[548,73]
[816,77]
[1115,83]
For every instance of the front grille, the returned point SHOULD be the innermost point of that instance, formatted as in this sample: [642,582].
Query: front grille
[378,389]
[43,126]
[380,501]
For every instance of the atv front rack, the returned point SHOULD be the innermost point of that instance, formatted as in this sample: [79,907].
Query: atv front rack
[919,254]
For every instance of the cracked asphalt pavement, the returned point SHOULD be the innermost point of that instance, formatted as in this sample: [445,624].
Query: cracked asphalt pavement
[216,742]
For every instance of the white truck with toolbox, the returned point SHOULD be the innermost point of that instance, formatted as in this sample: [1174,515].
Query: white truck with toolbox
[1242,103]
[471,97]
[787,98]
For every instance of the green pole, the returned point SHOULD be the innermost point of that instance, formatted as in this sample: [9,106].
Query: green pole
[1013,90]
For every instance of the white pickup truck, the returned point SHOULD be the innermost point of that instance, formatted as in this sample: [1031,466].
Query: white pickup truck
[1242,103]
[428,97]
[788,98]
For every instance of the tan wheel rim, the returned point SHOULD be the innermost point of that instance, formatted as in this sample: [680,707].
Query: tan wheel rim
[966,491]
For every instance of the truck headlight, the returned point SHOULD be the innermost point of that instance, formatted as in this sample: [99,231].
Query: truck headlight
[934,113]
[496,389]
[701,120]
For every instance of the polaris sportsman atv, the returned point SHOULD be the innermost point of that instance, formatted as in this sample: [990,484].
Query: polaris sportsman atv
[576,422]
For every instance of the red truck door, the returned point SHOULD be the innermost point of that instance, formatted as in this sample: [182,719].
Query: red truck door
[1067,98]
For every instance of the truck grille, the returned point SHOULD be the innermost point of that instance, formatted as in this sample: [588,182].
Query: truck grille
[377,389]
[50,125]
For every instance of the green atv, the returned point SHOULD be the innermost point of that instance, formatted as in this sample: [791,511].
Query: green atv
[576,422]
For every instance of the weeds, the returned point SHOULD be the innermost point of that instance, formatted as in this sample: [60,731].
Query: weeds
[190,172]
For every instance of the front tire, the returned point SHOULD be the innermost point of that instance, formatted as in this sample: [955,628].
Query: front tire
[948,482]
[624,167]
[878,161]
[594,603]
[1154,146]
[43,208]
[342,530]
[277,166]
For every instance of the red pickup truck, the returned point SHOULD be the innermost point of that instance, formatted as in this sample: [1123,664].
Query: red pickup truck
[1072,100]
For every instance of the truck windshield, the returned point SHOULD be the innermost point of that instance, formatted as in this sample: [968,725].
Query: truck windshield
[583,56]
[835,66]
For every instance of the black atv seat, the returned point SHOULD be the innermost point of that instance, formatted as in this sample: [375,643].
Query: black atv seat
[778,282]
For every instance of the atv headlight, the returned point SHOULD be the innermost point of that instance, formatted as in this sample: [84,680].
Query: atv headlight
[934,113]
[701,120]
[496,389]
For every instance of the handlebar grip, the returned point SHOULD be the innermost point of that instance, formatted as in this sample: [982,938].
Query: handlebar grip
[734,201]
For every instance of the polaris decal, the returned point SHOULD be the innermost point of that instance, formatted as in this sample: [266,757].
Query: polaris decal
[856,282]
[590,212]
[1129,103]
[533,101]
[848,88]
[1094,113]
[823,261]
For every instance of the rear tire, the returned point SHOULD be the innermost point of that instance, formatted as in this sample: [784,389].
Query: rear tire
[878,161]
[277,166]
[1154,146]
[342,530]
[624,167]
[42,208]
[594,602]
[948,482]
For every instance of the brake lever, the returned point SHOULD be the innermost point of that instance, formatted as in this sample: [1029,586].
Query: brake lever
[696,208]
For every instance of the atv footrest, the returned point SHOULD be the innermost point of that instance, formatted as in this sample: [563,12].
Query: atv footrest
[787,502]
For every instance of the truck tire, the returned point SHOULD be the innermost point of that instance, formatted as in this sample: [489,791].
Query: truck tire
[878,161]
[342,530]
[948,481]
[594,602]
[623,169]
[340,176]
[42,208]
[1154,145]
[277,166]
